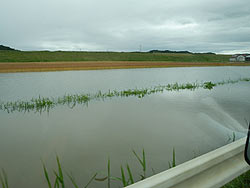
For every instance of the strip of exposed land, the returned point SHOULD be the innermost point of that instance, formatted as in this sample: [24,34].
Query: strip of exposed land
[95,65]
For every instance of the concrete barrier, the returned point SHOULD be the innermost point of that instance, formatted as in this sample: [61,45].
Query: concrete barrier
[213,169]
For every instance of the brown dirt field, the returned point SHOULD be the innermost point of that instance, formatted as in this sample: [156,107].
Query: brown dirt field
[94,65]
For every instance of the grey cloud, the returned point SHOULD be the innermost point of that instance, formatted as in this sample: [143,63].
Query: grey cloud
[198,25]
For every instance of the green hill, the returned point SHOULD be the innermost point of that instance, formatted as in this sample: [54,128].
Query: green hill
[5,48]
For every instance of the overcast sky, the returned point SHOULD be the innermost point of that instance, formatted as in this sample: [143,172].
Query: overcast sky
[221,26]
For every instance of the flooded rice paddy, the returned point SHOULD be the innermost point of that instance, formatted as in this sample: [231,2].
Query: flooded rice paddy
[84,136]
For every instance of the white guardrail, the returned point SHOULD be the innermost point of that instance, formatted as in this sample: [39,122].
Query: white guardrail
[213,169]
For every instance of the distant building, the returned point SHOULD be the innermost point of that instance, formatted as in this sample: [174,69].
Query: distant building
[240,57]
[247,58]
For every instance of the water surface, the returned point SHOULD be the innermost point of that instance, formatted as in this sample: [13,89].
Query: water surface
[192,122]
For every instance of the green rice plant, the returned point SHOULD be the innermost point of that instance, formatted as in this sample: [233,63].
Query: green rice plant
[72,179]
[4,179]
[92,179]
[233,138]
[59,175]
[56,184]
[245,79]
[108,177]
[130,175]
[190,86]
[109,174]
[209,85]
[142,161]
[173,160]
[153,171]
[59,181]
[124,181]
[46,176]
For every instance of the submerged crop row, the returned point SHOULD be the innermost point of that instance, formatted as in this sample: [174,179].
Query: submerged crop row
[41,104]
[61,179]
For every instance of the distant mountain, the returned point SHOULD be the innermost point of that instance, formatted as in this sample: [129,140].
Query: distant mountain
[5,48]
[209,53]
[180,52]
[169,51]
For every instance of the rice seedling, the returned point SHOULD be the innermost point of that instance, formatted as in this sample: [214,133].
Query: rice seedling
[173,160]
[72,179]
[59,175]
[153,171]
[59,181]
[59,178]
[46,176]
[90,180]
[130,174]
[4,179]
[142,161]
[108,177]
[209,85]
[233,138]
[45,104]
[124,181]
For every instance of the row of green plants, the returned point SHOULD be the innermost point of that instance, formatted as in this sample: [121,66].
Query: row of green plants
[42,104]
[58,177]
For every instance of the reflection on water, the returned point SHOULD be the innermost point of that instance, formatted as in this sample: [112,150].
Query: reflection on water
[192,122]
[15,86]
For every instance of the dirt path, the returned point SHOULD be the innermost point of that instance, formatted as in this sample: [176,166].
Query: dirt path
[92,65]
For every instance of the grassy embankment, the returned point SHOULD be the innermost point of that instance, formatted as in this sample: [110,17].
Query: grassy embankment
[46,56]
[243,181]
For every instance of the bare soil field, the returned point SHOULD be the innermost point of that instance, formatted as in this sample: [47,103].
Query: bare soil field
[95,65]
